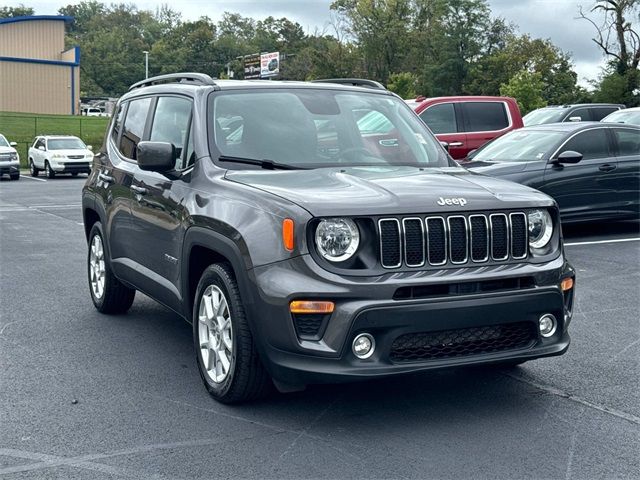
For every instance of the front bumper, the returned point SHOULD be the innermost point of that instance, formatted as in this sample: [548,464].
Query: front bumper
[10,168]
[71,167]
[368,305]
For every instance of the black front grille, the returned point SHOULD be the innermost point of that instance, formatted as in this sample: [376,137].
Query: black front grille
[75,157]
[453,239]
[463,342]
[390,254]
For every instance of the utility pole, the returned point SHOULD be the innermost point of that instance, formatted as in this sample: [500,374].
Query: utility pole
[146,64]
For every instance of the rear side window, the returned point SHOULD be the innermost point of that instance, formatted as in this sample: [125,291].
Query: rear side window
[485,116]
[440,118]
[591,144]
[628,141]
[133,128]
[598,113]
[171,123]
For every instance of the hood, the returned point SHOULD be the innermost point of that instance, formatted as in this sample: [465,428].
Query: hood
[495,168]
[389,190]
[7,150]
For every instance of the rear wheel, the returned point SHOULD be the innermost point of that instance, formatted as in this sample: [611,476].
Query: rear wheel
[225,349]
[32,168]
[109,294]
[48,171]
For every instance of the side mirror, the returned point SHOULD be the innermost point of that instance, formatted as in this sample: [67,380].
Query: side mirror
[41,148]
[575,119]
[445,145]
[569,157]
[12,144]
[90,147]
[156,156]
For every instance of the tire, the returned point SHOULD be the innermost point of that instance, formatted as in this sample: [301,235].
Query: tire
[245,378]
[32,168]
[15,176]
[111,295]
[48,171]
[74,174]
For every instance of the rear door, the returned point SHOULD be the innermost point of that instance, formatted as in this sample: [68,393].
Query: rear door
[588,188]
[627,148]
[484,121]
[442,119]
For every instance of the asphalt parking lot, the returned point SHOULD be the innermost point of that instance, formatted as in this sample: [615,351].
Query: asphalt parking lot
[84,395]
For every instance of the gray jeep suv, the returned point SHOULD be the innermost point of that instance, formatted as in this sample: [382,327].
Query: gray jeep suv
[317,232]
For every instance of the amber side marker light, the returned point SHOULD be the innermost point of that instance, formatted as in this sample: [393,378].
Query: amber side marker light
[308,306]
[566,284]
[287,234]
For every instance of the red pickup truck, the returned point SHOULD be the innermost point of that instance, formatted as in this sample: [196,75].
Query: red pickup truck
[467,123]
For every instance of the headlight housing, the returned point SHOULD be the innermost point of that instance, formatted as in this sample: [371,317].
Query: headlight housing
[337,239]
[540,228]
[13,156]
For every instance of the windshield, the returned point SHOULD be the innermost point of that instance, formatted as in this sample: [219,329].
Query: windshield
[632,117]
[66,144]
[543,115]
[311,128]
[519,146]
[3,142]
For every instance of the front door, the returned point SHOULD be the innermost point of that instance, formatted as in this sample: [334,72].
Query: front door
[442,119]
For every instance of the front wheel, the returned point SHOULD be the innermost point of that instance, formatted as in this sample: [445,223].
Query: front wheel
[48,171]
[225,349]
[109,294]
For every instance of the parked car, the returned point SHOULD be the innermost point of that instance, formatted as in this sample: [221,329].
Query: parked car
[580,112]
[592,169]
[57,154]
[467,123]
[94,112]
[628,115]
[9,159]
[304,259]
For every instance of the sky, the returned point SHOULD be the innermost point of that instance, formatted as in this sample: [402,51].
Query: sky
[554,19]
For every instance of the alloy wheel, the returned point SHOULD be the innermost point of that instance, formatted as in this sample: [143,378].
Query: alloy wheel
[96,267]
[215,334]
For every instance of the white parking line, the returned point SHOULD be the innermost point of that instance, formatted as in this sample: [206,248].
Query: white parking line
[32,178]
[595,242]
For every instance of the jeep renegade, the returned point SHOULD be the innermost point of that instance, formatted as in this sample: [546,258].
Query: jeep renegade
[317,232]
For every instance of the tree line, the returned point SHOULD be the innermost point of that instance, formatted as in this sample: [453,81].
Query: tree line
[415,47]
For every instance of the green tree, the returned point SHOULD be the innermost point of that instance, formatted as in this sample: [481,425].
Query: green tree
[19,11]
[404,84]
[527,88]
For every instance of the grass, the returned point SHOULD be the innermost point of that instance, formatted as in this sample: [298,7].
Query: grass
[23,127]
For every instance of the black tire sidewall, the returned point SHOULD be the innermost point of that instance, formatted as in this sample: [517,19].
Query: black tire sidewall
[212,276]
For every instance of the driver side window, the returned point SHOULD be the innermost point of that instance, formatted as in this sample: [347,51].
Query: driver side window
[591,144]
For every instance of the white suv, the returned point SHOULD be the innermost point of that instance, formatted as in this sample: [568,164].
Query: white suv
[9,159]
[59,154]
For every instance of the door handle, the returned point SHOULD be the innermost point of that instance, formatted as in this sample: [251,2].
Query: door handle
[139,190]
[456,144]
[606,167]
[105,178]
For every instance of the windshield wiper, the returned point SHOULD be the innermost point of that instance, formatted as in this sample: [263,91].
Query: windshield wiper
[266,164]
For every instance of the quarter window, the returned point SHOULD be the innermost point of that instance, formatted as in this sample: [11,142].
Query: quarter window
[628,141]
[171,124]
[591,144]
[117,124]
[134,124]
[440,118]
[485,116]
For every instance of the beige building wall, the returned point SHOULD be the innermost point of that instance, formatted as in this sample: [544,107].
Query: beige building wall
[42,39]
[36,88]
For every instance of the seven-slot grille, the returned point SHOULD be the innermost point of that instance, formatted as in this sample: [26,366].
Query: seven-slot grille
[454,239]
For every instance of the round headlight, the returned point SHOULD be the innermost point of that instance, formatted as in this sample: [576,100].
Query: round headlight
[540,228]
[337,239]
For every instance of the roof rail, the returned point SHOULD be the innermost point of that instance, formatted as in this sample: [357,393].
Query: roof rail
[192,78]
[357,82]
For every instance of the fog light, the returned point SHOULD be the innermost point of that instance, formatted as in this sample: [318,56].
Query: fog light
[363,345]
[548,325]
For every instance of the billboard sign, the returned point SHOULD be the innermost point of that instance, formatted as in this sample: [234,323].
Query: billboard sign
[269,64]
[252,67]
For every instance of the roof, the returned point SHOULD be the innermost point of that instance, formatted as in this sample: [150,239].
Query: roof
[568,127]
[574,105]
[31,18]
